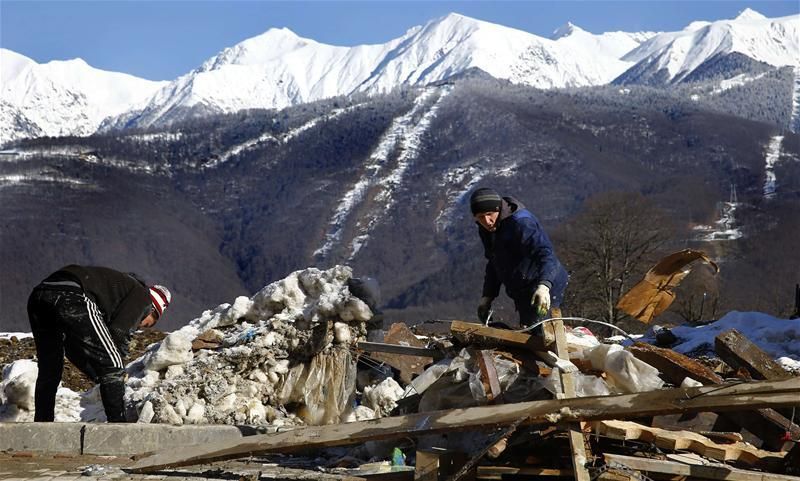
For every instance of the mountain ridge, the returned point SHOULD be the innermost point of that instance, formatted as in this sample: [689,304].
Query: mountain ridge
[278,68]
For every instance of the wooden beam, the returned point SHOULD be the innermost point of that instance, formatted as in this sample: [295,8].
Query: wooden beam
[399,349]
[471,333]
[739,352]
[732,396]
[719,471]
[673,365]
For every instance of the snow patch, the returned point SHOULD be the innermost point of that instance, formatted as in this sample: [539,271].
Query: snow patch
[773,153]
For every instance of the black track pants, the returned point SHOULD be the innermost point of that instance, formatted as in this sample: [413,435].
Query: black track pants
[65,321]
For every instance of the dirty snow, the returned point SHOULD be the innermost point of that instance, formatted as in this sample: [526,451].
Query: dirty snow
[18,335]
[288,345]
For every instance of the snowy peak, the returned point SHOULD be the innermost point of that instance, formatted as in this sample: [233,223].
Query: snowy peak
[268,46]
[12,65]
[673,56]
[565,30]
[278,68]
[67,97]
[750,14]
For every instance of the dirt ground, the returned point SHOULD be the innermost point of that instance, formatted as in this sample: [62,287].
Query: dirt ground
[14,349]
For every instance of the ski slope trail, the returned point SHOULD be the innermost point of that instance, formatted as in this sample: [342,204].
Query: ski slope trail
[794,120]
[771,157]
[269,137]
[373,193]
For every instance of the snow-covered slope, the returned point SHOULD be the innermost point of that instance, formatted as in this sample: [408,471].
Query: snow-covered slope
[673,56]
[278,68]
[62,97]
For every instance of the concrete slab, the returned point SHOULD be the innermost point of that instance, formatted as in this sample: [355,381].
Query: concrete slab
[112,439]
[128,439]
[51,437]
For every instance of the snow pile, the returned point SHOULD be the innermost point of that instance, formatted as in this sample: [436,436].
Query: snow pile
[284,358]
[281,357]
[779,338]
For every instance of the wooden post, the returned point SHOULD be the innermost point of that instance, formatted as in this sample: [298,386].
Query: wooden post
[576,439]
[739,352]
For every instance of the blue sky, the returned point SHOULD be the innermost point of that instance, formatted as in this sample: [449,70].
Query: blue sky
[160,40]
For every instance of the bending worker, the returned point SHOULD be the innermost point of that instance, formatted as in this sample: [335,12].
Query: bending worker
[88,313]
[519,255]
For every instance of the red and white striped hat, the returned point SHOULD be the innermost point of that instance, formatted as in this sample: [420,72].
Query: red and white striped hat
[161,297]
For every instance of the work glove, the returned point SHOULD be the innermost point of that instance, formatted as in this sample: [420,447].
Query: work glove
[541,300]
[484,308]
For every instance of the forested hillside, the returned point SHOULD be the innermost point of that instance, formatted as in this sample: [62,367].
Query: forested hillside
[222,206]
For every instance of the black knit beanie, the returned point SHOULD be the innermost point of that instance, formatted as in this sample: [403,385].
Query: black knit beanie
[485,200]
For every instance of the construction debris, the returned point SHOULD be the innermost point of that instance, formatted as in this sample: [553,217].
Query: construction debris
[476,403]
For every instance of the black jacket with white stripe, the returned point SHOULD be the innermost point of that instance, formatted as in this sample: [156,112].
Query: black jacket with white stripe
[124,300]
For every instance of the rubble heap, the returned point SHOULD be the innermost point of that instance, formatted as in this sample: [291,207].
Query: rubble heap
[565,404]
[281,357]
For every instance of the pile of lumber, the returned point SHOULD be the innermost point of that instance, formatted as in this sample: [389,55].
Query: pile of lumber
[738,428]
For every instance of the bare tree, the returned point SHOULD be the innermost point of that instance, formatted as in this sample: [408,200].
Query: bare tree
[607,247]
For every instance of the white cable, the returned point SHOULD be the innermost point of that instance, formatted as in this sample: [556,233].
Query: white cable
[583,319]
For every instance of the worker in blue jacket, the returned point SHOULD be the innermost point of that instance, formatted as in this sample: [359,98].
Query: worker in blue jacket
[520,256]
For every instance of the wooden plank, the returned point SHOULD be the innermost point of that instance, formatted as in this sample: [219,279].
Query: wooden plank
[471,333]
[689,441]
[399,349]
[767,424]
[739,352]
[673,365]
[733,396]
[576,440]
[718,472]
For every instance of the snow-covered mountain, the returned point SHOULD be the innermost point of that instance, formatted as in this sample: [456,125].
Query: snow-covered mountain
[675,56]
[278,68]
[62,97]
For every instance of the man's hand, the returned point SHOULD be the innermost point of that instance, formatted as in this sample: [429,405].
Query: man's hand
[541,300]
[484,308]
